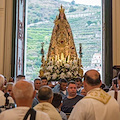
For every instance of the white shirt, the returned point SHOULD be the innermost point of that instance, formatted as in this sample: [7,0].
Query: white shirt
[93,109]
[3,99]
[112,92]
[64,92]
[18,113]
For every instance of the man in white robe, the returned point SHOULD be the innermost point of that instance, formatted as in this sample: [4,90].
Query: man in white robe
[23,93]
[45,96]
[97,105]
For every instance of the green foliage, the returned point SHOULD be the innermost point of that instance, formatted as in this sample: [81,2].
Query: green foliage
[31,6]
[73,2]
[84,8]
[86,30]
[72,9]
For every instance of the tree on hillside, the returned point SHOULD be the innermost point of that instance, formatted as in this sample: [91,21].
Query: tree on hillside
[72,9]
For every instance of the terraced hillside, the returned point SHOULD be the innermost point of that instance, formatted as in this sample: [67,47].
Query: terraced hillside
[85,22]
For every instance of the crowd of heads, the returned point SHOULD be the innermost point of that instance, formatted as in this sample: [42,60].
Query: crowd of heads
[23,91]
[45,94]
[90,80]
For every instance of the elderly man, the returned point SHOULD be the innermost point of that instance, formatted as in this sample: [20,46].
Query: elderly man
[45,96]
[9,88]
[72,98]
[2,97]
[97,105]
[23,93]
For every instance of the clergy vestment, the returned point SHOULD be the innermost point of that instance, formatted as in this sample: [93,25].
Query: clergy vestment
[112,93]
[49,109]
[97,105]
[3,100]
[18,113]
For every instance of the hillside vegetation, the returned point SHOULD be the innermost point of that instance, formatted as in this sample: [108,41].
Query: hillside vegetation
[85,22]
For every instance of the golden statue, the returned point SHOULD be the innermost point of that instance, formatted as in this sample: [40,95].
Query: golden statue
[62,44]
[61,52]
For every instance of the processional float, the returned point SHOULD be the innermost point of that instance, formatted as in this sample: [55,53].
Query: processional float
[62,60]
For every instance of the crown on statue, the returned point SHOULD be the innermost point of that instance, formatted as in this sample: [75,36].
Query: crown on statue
[61,10]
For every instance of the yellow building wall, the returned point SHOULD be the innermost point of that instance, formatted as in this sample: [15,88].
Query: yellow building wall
[2,29]
[6,7]
[116,32]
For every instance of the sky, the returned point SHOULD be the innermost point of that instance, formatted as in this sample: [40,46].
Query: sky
[87,2]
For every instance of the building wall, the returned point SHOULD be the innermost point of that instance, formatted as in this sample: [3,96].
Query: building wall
[116,32]
[6,7]
[2,29]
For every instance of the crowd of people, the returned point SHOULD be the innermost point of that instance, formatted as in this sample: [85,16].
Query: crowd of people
[78,99]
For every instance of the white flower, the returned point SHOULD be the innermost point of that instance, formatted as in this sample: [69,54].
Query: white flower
[62,75]
[69,74]
[54,76]
[57,62]
[71,62]
[57,71]
[72,68]
[50,68]
[75,73]
[55,67]
[75,61]
[48,77]
[47,74]
[67,65]
[67,70]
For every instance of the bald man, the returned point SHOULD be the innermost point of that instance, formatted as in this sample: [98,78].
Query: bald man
[45,96]
[97,105]
[23,93]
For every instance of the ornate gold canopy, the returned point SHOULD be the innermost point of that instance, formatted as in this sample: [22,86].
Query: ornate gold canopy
[62,44]
[62,48]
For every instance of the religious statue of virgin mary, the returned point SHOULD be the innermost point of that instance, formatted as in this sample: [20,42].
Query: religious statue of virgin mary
[62,44]
[62,59]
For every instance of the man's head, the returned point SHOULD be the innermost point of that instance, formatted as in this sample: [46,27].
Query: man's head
[72,89]
[1,81]
[118,80]
[44,81]
[56,102]
[45,94]
[11,79]
[63,84]
[92,80]
[83,92]
[37,83]
[5,81]
[20,77]
[78,82]
[9,88]
[23,92]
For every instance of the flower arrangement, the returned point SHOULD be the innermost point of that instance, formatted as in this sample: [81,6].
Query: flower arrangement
[61,69]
